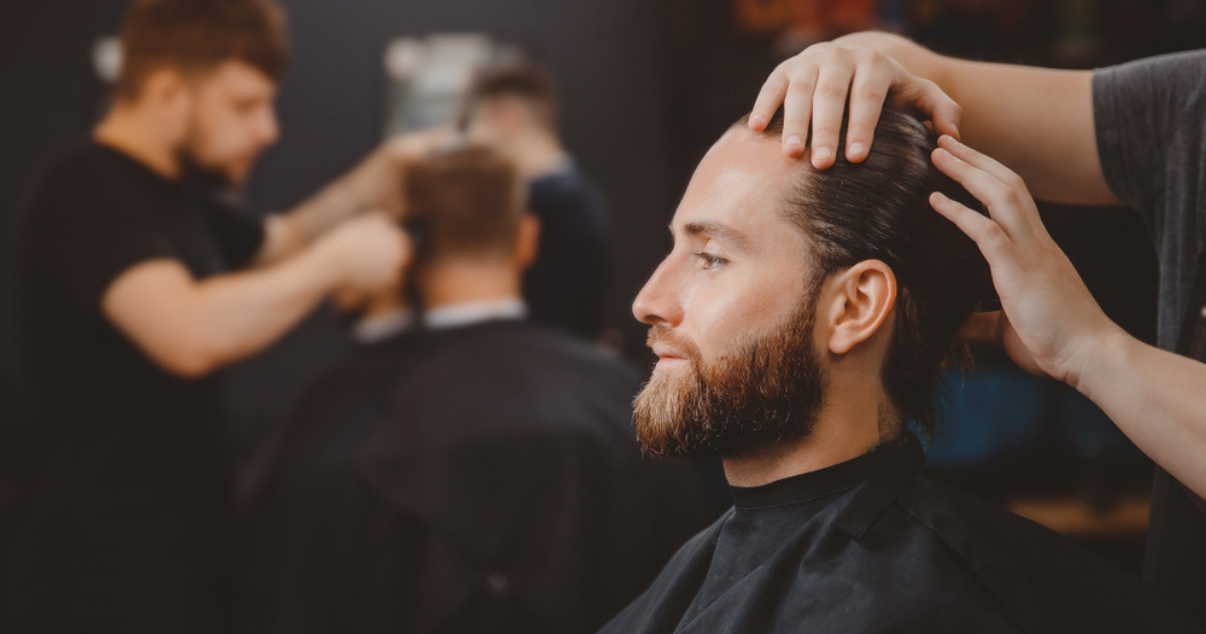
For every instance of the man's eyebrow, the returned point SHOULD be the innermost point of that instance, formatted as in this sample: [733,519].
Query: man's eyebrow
[716,230]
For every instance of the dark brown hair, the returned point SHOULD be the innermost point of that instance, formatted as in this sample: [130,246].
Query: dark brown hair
[469,201]
[195,36]
[879,209]
[521,81]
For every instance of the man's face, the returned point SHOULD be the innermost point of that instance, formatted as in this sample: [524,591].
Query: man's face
[232,121]
[731,312]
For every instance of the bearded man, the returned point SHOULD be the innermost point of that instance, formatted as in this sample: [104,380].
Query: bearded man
[800,322]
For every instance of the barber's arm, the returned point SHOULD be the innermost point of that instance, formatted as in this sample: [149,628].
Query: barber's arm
[1037,121]
[1051,325]
[374,184]
[190,327]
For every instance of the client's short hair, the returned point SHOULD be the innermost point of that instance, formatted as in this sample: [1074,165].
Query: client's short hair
[470,202]
[521,81]
[879,209]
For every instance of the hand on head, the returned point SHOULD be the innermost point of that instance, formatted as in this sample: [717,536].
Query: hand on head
[1048,313]
[1048,316]
[813,87]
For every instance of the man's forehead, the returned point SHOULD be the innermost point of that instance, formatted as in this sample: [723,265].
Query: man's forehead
[738,188]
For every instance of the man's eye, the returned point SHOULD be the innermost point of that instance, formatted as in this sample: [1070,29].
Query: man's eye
[710,261]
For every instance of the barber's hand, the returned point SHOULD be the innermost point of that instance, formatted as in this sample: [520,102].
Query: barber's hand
[1048,318]
[815,84]
[412,145]
[367,253]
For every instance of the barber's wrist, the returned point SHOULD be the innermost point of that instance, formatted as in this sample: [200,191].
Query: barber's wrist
[326,264]
[1102,358]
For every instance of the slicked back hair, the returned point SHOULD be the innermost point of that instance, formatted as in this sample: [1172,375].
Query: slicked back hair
[879,210]
[196,36]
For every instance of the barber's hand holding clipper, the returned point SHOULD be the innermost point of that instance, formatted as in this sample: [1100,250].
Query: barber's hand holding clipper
[367,253]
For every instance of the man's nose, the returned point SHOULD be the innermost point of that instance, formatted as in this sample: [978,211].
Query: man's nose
[658,302]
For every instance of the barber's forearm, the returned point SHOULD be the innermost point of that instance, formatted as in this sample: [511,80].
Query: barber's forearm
[240,314]
[1157,398]
[369,186]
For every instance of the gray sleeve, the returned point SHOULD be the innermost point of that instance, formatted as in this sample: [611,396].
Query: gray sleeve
[1150,118]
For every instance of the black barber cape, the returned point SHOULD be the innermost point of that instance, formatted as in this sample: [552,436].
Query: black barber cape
[869,545]
[479,479]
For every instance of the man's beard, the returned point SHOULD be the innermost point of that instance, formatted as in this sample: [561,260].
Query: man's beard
[194,172]
[768,391]
[200,173]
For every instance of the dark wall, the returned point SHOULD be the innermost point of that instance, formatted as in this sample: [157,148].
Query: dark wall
[607,56]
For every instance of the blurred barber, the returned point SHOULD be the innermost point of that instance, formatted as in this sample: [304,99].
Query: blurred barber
[1133,134]
[130,304]
[515,110]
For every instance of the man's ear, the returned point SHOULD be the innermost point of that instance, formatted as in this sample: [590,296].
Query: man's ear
[860,299]
[164,87]
[527,240]
[170,95]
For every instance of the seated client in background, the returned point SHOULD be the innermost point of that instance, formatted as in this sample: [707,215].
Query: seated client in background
[801,321]
[514,109]
[477,473]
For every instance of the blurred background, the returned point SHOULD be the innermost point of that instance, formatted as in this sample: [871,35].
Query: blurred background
[645,87]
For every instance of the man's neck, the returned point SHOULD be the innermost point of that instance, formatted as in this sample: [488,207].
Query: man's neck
[847,427]
[128,131]
[457,283]
[538,154]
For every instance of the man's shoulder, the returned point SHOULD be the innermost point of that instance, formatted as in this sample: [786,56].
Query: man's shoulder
[81,180]
[79,164]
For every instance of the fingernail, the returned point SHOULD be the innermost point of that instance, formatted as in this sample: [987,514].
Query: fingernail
[856,149]
[756,120]
[939,196]
[822,153]
[793,140]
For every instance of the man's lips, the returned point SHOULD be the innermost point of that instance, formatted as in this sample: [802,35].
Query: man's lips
[667,355]
[664,351]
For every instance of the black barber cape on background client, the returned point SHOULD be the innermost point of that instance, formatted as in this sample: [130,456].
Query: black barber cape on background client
[130,526]
[870,545]
[482,477]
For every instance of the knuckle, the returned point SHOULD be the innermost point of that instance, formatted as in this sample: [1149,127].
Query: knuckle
[869,56]
[801,80]
[824,133]
[1010,196]
[836,91]
[870,92]
[993,232]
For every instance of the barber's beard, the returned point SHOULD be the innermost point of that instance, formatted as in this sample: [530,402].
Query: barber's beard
[764,392]
[194,170]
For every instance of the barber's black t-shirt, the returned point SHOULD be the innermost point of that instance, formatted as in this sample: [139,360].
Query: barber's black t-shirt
[137,468]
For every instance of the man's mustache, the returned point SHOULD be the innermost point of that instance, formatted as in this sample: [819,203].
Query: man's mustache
[682,346]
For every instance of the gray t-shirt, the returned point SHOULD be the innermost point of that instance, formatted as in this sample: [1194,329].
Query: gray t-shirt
[1151,136]
[1150,116]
